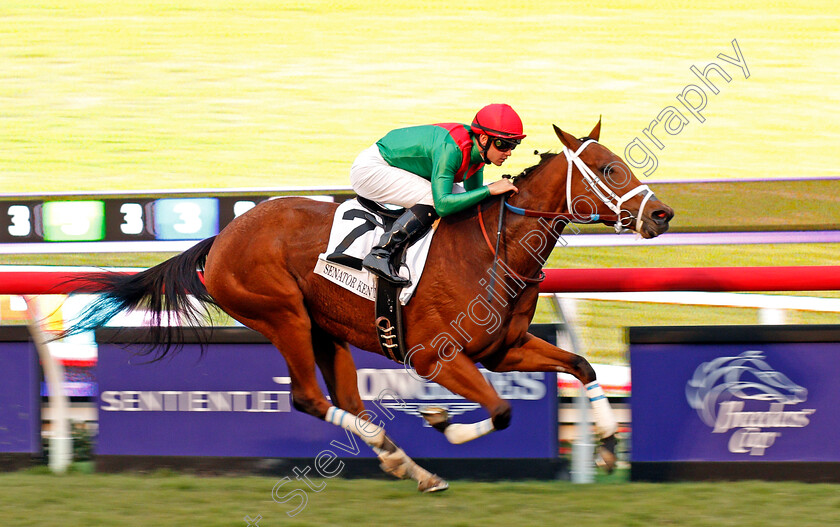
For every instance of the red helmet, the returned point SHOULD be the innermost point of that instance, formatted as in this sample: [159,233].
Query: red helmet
[498,120]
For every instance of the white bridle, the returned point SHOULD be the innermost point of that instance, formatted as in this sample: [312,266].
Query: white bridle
[604,193]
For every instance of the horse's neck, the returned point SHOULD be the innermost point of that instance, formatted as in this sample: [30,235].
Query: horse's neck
[544,190]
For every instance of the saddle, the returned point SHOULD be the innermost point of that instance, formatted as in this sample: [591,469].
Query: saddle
[388,311]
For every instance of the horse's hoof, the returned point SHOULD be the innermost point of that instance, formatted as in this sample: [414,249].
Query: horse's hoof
[605,456]
[437,417]
[433,484]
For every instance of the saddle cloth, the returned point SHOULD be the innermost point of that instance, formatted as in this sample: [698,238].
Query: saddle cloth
[355,230]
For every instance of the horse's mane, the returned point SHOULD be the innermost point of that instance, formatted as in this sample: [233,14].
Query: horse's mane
[545,157]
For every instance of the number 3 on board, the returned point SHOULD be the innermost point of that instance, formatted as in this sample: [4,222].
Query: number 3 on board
[190,215]
[132,218]
[20,226]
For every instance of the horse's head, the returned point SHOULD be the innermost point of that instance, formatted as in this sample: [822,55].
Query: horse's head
[599,182]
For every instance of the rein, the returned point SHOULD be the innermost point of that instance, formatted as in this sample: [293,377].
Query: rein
[536,280]
[571,216]
[496,250]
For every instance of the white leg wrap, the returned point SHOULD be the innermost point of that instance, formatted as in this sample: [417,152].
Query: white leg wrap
[605,421]
[370,433]
[458,433]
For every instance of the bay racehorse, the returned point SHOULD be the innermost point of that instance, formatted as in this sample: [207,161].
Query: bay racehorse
[259,270]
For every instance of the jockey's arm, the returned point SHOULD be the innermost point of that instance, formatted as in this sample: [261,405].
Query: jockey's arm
[443,177]
[475,181]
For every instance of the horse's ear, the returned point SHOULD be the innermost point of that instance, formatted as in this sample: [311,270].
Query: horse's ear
[596,132]
[570,141]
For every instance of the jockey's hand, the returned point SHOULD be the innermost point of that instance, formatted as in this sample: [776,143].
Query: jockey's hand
[501,187]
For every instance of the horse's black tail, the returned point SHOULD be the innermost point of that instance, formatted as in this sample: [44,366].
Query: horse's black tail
[163,291]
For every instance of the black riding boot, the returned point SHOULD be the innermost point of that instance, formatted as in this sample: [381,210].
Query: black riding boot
[411,226]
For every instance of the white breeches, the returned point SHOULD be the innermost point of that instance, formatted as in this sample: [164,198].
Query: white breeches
[373,178]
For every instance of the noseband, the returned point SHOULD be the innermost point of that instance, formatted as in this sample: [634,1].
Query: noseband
[604,193]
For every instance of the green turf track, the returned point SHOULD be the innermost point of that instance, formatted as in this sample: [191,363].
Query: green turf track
[124,500]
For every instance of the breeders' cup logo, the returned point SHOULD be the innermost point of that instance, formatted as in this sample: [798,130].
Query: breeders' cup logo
[721,388]
[409,394]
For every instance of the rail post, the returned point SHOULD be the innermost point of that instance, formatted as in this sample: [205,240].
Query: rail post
[583,468]
[61,441]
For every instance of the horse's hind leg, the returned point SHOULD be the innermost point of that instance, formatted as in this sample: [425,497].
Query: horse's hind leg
[336,364]
[536,354]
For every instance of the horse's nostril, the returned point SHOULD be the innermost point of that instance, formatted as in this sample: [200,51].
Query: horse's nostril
[661,216]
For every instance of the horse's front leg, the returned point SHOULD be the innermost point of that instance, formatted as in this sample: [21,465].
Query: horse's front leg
[458,374]
[535,354]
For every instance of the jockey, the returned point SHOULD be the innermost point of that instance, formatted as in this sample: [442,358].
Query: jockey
[417,167]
